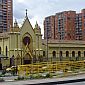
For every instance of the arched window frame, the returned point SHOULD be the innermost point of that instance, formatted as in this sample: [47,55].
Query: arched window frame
[67,53]
[60,53]
[73,53]
[84,53]
[43,53]
[79,53]
[6,51]
[54,54]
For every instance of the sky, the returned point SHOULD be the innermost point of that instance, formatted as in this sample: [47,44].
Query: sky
[39,9]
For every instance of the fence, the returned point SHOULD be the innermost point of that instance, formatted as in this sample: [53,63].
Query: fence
[51,67]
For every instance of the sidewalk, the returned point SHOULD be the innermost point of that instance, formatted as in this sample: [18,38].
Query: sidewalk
[37,81]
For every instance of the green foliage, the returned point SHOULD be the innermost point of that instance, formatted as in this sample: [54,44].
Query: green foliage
[36,76]
[2,75]
[3,72]
[40,76]
[20,78]
[1,80]
[48,75]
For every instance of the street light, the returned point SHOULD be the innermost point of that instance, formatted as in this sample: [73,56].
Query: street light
[47,43]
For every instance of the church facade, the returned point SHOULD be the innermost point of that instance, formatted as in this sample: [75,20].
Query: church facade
[25,45]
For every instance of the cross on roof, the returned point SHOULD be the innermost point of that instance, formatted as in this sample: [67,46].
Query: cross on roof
[26,12]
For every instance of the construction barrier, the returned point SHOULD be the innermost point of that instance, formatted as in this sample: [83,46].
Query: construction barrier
[51,67]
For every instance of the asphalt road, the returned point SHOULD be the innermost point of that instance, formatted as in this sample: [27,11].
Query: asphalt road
[77,83]
[37,81]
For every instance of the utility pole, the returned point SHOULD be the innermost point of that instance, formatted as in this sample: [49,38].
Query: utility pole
[47,43]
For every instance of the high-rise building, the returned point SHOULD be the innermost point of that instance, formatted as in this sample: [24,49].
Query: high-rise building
[67,25]
[83,23]
[78,29]
[64,25]
[49,25]
[6,15]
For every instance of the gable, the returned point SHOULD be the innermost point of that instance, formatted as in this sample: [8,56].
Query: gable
[27,27]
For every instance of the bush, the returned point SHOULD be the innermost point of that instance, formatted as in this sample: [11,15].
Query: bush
[36,76]
[3,72]
[1,80]
[20,78]
[48,75]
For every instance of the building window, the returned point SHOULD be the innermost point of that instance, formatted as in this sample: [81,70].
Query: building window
[67,53]
[6,51]
[43,53]
[84,53]
[60,53]
[0,50]
[79,53]
[73,53]
[54,54]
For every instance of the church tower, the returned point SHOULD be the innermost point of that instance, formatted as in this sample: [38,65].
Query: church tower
[37,31]
[14,41]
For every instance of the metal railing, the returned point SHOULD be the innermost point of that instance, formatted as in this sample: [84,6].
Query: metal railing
[51,67]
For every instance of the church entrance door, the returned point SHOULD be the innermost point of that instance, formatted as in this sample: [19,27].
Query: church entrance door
[27,59]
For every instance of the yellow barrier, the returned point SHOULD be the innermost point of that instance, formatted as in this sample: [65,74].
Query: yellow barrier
[51,67]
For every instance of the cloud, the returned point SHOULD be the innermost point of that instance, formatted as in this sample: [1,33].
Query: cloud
[39,9]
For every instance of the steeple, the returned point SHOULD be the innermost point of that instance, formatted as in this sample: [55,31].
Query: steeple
[16,27]
[37,28]
[15,24]
[36,25]
[26,14]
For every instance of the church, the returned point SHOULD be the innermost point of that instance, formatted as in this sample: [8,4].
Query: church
[25,45]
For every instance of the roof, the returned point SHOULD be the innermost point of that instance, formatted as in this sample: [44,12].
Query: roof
[52,41]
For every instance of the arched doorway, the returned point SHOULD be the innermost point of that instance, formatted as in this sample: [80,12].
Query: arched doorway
[54,54]
[27,59]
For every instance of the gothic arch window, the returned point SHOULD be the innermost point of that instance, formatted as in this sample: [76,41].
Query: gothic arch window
[6,51]
[0,50]
[43,53]
[79,53]
[84,53]
[67,53]
[54,54]
[26,40]
[73,53]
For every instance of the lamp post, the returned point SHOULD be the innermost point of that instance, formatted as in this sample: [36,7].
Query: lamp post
[21,56]
[47,42]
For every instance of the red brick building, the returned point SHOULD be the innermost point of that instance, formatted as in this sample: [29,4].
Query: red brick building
[6,15]
[66,25]
[49,25]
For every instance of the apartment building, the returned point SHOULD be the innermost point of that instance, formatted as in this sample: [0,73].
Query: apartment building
[6,15]
[49,25]
[67,25]
[64,25]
